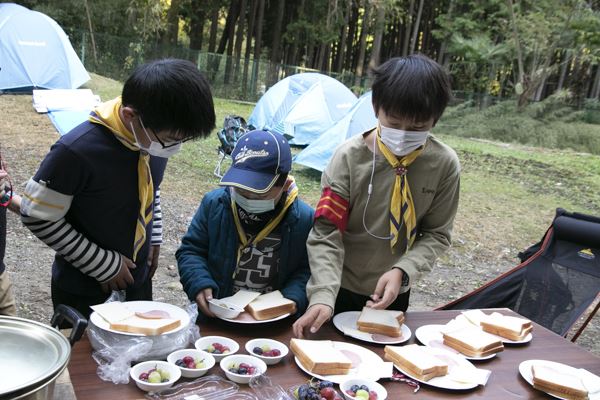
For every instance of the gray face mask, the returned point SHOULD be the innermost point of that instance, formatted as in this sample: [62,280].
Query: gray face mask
[401,142]
[251,205]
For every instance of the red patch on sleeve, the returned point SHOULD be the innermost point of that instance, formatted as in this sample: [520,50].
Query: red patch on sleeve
[333,207]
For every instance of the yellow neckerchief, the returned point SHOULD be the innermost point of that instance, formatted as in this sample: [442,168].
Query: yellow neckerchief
[107,114]
[292,193]
[402,202]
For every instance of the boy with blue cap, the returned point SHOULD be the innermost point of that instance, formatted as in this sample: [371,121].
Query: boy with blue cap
[251,233]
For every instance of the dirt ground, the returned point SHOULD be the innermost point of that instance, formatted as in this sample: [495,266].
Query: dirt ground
[25,138]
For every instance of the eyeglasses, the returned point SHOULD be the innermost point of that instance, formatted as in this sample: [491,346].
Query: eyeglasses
[164,145]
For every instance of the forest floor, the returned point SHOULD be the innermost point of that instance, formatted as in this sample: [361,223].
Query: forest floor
[508,197]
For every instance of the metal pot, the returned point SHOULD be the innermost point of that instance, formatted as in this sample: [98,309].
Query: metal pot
[33,355]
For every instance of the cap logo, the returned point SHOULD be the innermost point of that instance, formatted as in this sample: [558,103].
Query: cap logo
[245,154]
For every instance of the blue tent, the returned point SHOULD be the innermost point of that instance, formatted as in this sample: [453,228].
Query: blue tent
[35,52]
[302,106]
[359,119]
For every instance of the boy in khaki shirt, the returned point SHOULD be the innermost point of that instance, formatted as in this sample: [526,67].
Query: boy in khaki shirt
[389,199]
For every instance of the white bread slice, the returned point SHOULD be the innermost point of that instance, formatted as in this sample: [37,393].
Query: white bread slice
[385,322]
[558,383]
[270,305]
[113,311]
[474,316]
[512,328]
[320,357]
[145,326]
[473,342]
[415,360]
[242,298]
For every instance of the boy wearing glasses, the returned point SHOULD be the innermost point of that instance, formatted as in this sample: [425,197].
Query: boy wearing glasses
[250,234]
[95,197]
[389,199]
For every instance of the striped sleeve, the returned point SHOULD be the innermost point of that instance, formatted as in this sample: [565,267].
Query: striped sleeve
[43,211]
[157,226]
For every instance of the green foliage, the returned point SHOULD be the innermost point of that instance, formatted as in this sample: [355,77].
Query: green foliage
[549,124]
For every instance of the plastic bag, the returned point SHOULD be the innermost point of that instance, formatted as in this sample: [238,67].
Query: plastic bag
[267,390]
[211,387]
[115,352]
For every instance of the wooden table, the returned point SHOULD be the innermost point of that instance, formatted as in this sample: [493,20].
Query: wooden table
[504,383]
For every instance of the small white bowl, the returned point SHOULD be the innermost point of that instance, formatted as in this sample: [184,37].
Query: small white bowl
[372,385]
[209,362]
[259,364]
[204,342]
[223,309]
[172,369]
[273,344]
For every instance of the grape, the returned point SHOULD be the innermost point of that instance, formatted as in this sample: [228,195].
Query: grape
[257,350]
[154,377]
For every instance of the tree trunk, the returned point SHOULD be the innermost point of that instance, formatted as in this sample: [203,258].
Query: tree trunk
[258,42]
[276,43]
[364,29]
[249,35]
[379,25]
[596,88]
[353,23]
[339,56]
[229,33]
[293,54]
[172,29]
[214,25]
[415,35]
[238,40]
[563,70]
[407,28]
[89,20]
[515,36]
[197,18]
[441,55]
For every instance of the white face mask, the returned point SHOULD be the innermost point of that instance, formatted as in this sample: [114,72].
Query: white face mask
[253,206]
[155,148]
[402,142]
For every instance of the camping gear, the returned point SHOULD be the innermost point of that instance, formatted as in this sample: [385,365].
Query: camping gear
[302,106]
[557,281]
[35,52]
[234,127]
[34,355]
[66,108]
[359,119]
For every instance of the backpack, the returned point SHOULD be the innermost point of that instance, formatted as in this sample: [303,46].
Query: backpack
[234,127]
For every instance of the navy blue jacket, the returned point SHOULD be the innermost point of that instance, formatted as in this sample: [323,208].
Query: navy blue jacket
[207,256]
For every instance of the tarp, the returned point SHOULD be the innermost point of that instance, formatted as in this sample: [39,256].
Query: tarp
[302,106]
[35,52]
[359,119]
[66,108]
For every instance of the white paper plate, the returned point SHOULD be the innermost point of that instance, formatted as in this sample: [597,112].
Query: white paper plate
[363,370]
[444,382]
[143,306]
[525,370]
[347,320]
[431,335]
[245,318]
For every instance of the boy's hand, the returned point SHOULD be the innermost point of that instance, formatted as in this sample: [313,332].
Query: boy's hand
[123,278]
[387,289]
[153,259]
[313,318]
[202,299]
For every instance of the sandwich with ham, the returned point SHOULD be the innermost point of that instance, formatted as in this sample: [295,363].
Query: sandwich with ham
[558,383]
[416,361]
[384,322]
[320,357]
[472,342]
[509,327]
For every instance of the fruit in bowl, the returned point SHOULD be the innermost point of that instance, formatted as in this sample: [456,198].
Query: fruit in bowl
[362,392]
[242,368]
[266,351]
[155,375]
[316,390]
[217,348]
[190,362]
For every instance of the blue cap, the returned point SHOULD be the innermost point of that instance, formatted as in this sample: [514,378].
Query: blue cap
[259,158]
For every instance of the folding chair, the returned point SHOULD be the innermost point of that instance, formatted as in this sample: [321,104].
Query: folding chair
[557,282]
